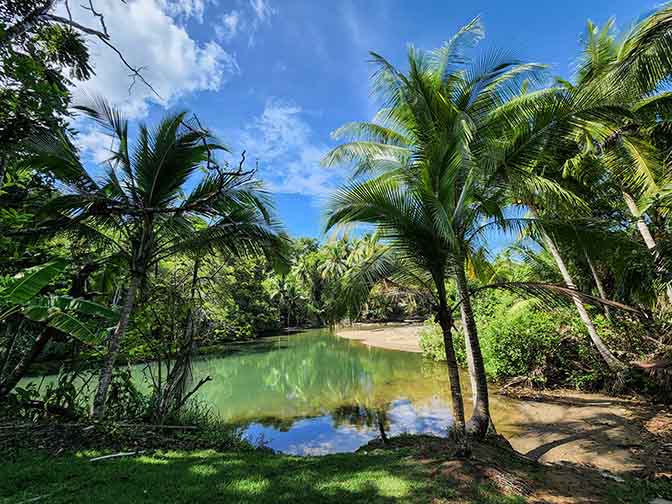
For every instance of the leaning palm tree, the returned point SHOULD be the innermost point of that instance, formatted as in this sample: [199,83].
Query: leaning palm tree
[142,207]
[637,65]
[425,177]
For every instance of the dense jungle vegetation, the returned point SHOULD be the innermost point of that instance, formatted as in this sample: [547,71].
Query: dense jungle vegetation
[523,218]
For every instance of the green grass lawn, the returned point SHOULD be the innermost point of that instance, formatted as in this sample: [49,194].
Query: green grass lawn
[424,473]
[209,476]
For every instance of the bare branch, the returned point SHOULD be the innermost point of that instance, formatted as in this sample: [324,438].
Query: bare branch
[201,382]
[99,15]
[42,14]
[67,8]
[76,25]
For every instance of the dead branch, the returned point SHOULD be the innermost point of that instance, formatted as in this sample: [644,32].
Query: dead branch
[43,14]
[99,15]
[116,455]
[201,382]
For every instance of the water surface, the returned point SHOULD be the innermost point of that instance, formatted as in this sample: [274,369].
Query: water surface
[316,393]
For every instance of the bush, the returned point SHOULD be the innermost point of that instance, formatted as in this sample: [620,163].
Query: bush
[517,342]
[431,343]
[520,338]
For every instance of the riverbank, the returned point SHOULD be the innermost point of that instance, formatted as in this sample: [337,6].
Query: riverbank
[412,469]
[391,336]
[622,435]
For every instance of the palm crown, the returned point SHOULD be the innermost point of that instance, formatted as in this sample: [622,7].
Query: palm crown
[141,207]
[143,210]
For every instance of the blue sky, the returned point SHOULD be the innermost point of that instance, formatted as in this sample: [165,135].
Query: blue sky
[277,77]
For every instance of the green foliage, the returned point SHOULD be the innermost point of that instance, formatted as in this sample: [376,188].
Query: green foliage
[431,341]
[125,401]
[518,340]
[36,69]
[519,337]
[79,318]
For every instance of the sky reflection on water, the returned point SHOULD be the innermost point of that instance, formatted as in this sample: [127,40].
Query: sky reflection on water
[324,434]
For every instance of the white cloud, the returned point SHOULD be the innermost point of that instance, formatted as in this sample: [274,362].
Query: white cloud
[95,145]
[262,10]
[173,62]
[229,25]
[289,160]
[186,9]
[248,20]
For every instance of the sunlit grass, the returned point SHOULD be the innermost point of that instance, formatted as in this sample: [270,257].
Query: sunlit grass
[247,477]
[208,476]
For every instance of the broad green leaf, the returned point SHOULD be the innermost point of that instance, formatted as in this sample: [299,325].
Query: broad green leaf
[29,283]
[86,307]
[87,332]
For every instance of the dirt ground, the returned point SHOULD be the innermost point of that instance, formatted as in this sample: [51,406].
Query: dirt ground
[618,435]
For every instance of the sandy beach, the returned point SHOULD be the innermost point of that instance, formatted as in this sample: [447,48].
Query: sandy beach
[391,337]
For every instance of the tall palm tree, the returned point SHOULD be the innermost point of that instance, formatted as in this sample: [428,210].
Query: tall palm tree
[425,175]
[636,64]
[142,206]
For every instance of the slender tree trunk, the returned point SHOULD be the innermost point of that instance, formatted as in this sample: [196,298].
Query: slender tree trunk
[608,357]
[480,418]
[100,399]
[650,242]
[598,283]
[3,169]
[445,320]
[380,415]
[22,366]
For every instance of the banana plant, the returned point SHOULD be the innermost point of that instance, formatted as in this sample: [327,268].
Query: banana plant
[79,318]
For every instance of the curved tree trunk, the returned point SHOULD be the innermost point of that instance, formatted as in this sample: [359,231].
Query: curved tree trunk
[649,241]
[598,283]
[606,354]
[22,366]
[100,399]
[445,320]
[480,417]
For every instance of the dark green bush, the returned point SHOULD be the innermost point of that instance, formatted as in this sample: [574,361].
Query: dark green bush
[517,341]
[522,338]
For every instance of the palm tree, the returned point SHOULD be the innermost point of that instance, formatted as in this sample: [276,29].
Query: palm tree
[142,207]
[636,64]
[425,176]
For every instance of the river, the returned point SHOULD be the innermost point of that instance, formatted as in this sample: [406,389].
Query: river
[314,393]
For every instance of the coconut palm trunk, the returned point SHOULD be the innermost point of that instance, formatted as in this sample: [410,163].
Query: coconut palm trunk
[649,241]
[445,320]
[480,417]
[100,399]
[606,354]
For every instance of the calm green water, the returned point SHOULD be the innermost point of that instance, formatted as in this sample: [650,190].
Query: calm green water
[314,393]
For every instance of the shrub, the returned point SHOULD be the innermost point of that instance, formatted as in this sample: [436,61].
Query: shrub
[431,343]
[521,338]
[517,341]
